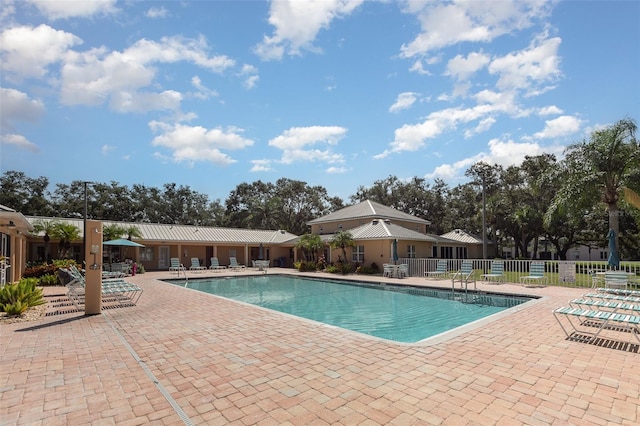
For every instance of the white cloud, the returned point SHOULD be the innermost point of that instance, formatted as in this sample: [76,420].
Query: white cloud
[203,92]
[78,8]
[419,68]
[403,101]
[26,52]
[537,64]
[251,76]
[296,144]
[145,101]
[261,166]
[17,106]
[462,68]
[18,140]
[156,12]
[562,126]
[106,149]
[195,143]
[92,77]
[549,110]
[446,24]
[298,23]
[336,170]
[412,137]
[502,152]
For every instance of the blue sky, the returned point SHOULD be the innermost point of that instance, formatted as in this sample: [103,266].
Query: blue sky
[335,93]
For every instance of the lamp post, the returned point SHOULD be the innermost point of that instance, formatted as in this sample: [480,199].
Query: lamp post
[84,229]
[484,221]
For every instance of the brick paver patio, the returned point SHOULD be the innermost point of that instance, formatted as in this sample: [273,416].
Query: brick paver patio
[182,357]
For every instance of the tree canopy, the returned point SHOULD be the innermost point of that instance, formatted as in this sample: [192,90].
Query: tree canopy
[564,203]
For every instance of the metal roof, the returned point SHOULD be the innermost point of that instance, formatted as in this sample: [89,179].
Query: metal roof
[155,232]
[384,229]
[9,218]
[462,237]
[367,209]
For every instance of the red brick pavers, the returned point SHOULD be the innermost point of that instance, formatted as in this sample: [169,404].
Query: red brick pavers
[223,362]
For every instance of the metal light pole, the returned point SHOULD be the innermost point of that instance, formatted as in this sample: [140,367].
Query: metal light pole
[84,230]
[484,221]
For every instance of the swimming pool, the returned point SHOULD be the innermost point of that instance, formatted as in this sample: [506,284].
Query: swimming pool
[399,313]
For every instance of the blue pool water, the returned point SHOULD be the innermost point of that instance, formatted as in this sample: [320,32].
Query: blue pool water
[398,313]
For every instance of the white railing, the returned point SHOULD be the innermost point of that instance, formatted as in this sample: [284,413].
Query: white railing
[558,272]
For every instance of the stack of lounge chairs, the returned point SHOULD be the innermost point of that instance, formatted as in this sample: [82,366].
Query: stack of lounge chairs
[117,289]
[613,311]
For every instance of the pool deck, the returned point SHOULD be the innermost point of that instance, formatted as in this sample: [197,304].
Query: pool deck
[183,357]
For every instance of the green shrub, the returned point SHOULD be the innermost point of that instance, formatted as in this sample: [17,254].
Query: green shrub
[51,279]
[333,269]
[367,270]
[16,298]
[346,268]
[305,266]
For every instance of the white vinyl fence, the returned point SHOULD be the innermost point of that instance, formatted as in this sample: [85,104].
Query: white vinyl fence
[558,272]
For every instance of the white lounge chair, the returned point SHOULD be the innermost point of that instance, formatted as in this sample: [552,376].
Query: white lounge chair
[497,272]
[215,264]
[195,265]
[175,265]
[599,319]
[465,275]
[440,272]
[122,291]
[233,264]
[616,279]
[536,274]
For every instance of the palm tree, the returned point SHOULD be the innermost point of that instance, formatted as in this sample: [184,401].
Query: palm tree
[48,227]
[132,232]
[310,244]
[113,232]
[66,233]
[342,240]
[600,169]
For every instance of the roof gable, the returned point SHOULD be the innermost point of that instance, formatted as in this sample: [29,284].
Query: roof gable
[367,209]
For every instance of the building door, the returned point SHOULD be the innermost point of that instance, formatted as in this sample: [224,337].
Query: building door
[163,257]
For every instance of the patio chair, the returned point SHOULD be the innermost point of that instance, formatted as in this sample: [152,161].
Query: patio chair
[440,272]
[195,265]
[616,279]
[233,264]
[387,270]
[598,319]
[536,274]
[465,274]
[403,270]
[123,291]
[175,265]
[497,273]
[215,264]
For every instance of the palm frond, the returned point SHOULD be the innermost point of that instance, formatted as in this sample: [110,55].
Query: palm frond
[631,197]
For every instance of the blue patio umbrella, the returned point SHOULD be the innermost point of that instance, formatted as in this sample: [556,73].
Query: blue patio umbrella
[394,251]
[122,243]
[614,260]
[260,254]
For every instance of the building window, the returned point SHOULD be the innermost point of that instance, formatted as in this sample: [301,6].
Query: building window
[411,251]
[604,255]
[357,254]
[146,254]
